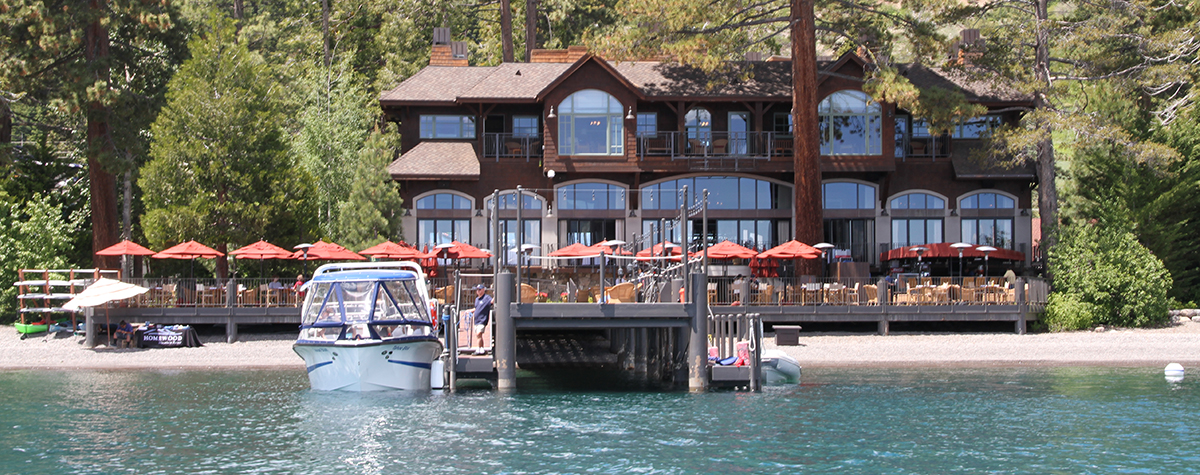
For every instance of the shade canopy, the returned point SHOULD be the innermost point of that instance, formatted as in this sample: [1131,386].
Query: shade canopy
[575,250]
[262,250]
[391,250]
[945,249]
[791,250]
[730,250]
[458,250]
[125,248]
[103,291]
[188,250]
[327,251]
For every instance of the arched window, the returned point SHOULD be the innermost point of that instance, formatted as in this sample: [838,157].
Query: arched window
[698,123]
[508,200]
[848,195]
[918,201]
[987,230]
[987,201]
[443,201]
[850,124]
[590,122]
[724,193]
[591,196]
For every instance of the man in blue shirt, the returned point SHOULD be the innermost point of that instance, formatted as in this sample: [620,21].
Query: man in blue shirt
[480,316]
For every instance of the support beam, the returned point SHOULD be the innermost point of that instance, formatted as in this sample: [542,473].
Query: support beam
[506,334]
[698,344]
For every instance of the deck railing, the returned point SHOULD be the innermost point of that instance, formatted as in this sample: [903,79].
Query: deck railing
[176,292]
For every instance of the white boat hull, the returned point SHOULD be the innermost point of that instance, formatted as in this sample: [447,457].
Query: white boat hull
[369,365]
[779,368]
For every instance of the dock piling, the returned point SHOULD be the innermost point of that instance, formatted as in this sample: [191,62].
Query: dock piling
[698,344]
[506,334]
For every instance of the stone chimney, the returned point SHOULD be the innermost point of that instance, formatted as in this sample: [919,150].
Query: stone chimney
[445,52]
[569,55]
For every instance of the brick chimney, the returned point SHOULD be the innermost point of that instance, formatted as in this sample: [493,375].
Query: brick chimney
[445,52]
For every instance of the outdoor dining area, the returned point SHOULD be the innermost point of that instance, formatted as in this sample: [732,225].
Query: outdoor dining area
[190,291]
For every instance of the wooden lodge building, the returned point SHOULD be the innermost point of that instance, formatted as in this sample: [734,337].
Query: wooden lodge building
[603,147]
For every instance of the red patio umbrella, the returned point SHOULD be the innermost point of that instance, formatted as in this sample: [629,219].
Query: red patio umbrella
[188,250]
[261,250]
[125,248]
[943,249]
[575,250]
[465,251]
[730,250]
[327,251]
[391,250]
[791,250]
[656,250]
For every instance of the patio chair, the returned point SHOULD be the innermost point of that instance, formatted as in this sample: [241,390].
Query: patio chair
[624,292]
[872,293]
[528,294]
[783,147]
[852,294]
[444,294]
[720,146]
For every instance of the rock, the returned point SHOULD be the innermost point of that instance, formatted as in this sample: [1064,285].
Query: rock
[1196,319]
[1099,329]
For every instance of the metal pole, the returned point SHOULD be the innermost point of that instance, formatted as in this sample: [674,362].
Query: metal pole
[756,332]
[506,334]
[602,290]
[698,344]
[497,251]
[520,241]
[452,342]
[704,229]
[683,239]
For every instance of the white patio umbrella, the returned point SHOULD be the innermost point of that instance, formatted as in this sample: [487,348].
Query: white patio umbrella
[101,292]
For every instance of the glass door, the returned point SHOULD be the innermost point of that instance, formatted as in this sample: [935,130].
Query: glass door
[739,128]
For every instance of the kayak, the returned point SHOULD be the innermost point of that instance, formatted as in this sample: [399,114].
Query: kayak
[30,328]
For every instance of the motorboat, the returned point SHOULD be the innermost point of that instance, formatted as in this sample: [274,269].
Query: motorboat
[368,327]
[779,368]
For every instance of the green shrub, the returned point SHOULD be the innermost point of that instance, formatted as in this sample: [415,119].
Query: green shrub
[1105,277]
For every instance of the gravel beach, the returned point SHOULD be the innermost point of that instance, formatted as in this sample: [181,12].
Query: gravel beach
[1178,343]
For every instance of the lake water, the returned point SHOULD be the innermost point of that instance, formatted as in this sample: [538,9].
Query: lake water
[999,420]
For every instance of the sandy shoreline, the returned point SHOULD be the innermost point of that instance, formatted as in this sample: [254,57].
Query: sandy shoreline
[1178,343]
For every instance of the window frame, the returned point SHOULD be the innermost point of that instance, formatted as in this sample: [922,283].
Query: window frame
[871,116]
[614,133]
[528,131]
[465,123]
[642,129]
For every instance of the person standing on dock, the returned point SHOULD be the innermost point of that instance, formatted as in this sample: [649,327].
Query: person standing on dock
[480,316]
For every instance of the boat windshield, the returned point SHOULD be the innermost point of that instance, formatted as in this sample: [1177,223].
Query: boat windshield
[336,303]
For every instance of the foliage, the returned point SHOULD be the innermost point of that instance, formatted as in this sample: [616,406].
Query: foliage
[1103,276]
[333,125]
[33,235]
[220,172]
[372,212]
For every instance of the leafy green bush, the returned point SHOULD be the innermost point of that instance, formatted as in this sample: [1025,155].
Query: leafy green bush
[1104,276]
[33,235]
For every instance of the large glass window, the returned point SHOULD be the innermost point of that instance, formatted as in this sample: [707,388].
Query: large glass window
[508,200]
[443,201]
[590,122]
[442,231]
[508,229]
[525,126]
[782,123]
[911,232]
[851,237]
[848,195]
[590,231]
[698,123]
[447,127]
[724,192]
[978,127]
[851,124]
[988,231]
[591,196]
[918,201]
[987,201]
[647,124]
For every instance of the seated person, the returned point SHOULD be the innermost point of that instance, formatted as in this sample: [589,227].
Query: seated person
[124,334]
[275,284]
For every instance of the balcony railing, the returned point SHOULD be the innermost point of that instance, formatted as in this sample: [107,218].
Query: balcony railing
[497,146]
[683,145]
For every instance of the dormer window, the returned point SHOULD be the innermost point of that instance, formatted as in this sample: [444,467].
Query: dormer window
[851,124]
[591,122]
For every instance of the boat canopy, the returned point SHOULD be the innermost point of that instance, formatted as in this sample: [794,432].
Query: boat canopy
[367,296]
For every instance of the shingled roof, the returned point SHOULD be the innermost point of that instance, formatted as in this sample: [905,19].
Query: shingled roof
[772,80]
[437,161]
[975,88]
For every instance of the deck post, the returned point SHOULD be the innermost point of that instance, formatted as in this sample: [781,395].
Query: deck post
[883,295]
[89,325]
[1022,305]
[639,356]
[698,343]
[230,330]
[506,333]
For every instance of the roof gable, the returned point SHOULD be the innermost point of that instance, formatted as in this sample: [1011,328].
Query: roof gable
[578,64]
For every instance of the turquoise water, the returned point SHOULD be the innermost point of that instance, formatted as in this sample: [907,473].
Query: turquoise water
[998,420]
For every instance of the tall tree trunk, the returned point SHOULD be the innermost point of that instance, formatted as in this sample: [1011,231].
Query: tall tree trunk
[5,132]
[531,43]
[807,155]
[506,30]
[239,10]
[103,185]
[325,30]
[127,221]
[1047,188]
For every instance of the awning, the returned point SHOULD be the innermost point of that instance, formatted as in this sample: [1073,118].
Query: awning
[437,161]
